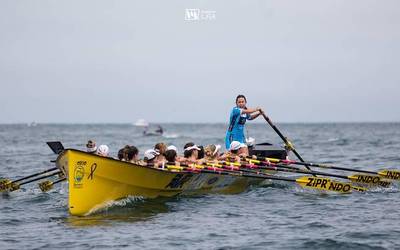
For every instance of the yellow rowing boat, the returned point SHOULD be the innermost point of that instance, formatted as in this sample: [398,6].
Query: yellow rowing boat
[95,181]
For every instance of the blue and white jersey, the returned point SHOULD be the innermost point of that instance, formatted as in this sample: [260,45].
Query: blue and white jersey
[235,131]
[237,120]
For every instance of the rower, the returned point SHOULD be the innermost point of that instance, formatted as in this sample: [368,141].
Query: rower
[237,120]
[160,148]
[243,151]
[122,153]
[103,150]
[174,148]
[191,153]
[211,152]
[150,157]
[133,155]
[91,147]
[171,157]
[233,154]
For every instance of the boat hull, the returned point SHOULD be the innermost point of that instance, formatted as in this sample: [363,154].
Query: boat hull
[95,181]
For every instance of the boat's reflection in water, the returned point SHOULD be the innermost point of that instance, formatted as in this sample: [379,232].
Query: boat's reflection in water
[128,210]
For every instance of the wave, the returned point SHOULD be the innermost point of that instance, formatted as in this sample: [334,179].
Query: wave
[394,188]
[171,135]
[333,139]
[336,244]
[106,206]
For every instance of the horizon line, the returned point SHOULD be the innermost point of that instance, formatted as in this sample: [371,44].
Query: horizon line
[173,123]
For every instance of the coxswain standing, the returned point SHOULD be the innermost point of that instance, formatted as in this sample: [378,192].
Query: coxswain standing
[237,120]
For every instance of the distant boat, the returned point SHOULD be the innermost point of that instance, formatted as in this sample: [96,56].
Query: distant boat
[153,131]
[141,123]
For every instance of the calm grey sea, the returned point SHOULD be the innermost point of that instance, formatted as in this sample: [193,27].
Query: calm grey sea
[270,216]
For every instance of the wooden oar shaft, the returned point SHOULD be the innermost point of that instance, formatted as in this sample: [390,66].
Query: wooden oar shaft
[238,173]
[365,179]
[336,168]
[280,167]
[234,167]
[216,170]
[33,175]
[321,166]
[283,138]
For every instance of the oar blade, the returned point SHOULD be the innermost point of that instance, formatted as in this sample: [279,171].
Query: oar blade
[370,180]
[390,174]
[14,186]
[45,186]
[326,184]
[5,184]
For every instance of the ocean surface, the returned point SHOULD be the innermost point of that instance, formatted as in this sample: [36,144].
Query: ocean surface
[269,216]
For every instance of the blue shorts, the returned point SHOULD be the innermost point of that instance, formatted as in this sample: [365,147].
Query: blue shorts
[230,137]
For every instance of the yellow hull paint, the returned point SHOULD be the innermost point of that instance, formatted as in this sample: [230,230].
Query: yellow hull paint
[95,181]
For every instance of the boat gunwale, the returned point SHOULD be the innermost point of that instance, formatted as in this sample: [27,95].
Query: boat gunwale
[129,163]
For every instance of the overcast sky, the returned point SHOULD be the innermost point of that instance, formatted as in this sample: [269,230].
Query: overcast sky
[118,61]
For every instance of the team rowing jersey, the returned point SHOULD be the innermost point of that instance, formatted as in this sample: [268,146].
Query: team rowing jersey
[235,130]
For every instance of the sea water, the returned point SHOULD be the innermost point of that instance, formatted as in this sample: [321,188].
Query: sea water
[270,216]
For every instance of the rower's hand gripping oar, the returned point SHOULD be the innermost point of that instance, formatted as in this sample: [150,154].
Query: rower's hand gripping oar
[288,144]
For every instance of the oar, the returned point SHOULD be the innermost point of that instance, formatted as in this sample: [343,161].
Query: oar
[15,185]
[33,175]
[288,144]
[305,181]
[48,185]
[364,179]
[388,174]
[235,167]
[5,183]
[213,166]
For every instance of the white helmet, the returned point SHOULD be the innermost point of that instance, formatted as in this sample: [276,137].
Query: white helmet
[172,147]
[103,150]
[150,154]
